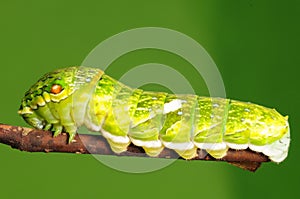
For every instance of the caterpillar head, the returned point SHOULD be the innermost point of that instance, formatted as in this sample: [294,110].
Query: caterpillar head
[53,87]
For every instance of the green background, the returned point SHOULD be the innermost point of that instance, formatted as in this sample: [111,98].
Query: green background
[255,45]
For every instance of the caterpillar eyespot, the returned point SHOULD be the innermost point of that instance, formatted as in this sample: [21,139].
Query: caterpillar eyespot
[56,88]
[152,120]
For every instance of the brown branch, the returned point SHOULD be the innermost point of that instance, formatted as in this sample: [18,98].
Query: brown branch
[33,140]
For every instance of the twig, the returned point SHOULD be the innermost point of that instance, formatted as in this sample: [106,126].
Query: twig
[33,140]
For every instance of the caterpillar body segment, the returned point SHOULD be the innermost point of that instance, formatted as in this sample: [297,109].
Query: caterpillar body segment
[71,97]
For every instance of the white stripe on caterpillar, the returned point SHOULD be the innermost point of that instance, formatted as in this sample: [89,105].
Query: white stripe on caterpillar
[172,106]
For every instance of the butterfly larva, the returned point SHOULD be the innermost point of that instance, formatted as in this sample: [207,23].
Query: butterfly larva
[71,97]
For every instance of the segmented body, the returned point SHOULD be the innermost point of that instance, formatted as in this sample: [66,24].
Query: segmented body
[69,98]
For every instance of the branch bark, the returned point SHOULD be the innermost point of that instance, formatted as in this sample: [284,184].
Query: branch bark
[33,140]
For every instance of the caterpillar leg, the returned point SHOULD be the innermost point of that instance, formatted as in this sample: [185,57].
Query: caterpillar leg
[153,152]
[57,128]
[152,147]
[118,144]
[187,154]
[217,153]
[71,130]
[186,150]
[146,135]
[118,147]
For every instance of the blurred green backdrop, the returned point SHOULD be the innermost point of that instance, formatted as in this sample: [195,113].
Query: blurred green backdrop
[255,45]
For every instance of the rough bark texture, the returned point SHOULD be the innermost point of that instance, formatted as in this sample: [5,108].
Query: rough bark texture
[33,140]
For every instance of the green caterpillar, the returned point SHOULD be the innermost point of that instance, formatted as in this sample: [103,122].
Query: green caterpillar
[68,98]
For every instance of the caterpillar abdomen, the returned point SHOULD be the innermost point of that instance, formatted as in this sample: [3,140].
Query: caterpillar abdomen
[152,120]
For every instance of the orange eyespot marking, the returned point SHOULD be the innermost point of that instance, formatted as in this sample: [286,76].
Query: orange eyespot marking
[56,88]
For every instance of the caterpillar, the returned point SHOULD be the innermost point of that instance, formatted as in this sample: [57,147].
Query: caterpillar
[67,98]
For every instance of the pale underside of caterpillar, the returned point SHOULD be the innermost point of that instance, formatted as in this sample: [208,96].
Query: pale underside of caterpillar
[65,99]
